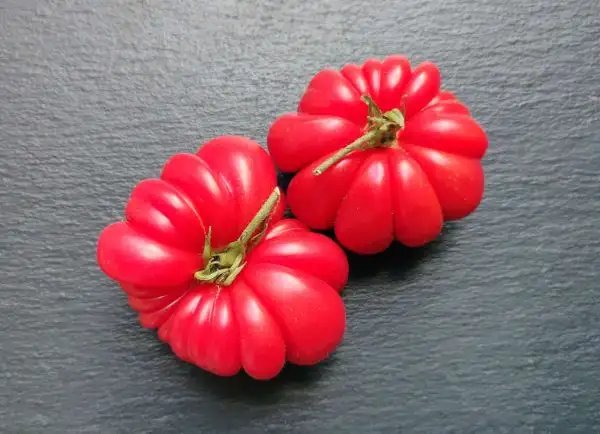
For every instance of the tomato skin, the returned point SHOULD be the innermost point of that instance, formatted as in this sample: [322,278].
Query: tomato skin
[395,77]
[329,93]
[284,306]
[314,136]
[367,200]
[402,191]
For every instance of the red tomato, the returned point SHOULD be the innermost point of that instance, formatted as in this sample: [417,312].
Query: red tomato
[381,154]
[205,257]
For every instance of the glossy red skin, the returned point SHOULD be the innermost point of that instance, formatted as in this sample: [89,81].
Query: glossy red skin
[373,197]
[285,304]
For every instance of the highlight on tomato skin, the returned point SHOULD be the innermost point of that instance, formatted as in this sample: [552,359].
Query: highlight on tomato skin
[381,153]
[205,257]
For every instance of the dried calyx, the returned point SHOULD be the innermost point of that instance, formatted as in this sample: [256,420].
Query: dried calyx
[380,132]
[224,265]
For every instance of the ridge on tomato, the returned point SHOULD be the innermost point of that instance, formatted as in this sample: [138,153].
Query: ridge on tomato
[205,257]
[382,154]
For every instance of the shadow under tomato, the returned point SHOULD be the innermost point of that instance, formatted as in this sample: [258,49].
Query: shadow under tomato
[242,387]
[283,180]
[398,260]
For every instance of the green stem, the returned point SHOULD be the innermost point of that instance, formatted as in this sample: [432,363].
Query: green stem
[208,277]
[379,128]
[374,110]
[354,146]
[261,216]
[396,117]
[224,266]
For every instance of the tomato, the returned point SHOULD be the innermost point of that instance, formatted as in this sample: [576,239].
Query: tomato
[381,154]
[205,257]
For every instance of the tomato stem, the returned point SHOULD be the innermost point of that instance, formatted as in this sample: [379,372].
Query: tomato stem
[381,131]
[261,216]
[341,153]
[223,266]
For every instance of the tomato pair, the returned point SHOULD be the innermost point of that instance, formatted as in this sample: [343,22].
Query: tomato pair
[205,256]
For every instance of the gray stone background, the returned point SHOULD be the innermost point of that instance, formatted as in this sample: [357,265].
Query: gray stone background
[493,329]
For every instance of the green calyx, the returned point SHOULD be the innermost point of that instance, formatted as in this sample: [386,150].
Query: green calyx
[222,266]
[381,131]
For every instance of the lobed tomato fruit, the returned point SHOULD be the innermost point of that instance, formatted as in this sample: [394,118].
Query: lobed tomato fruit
[382,153]
[206,258]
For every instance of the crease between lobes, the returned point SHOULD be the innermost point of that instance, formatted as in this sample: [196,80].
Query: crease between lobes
[259,328]
[297,139]
[439,177]
[190,331]
[153,246]
[179,323]
[203,323]
[148,250]
[315,200]
[304,251]
[428,183]
[385,82]
[294,298]
[347,195]
[363,221]
[196,328]
[207,194]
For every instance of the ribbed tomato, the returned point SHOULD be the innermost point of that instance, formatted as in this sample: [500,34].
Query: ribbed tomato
[206,258]
[382,153]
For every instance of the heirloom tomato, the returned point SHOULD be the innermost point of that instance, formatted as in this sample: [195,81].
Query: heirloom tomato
[382,153]
[206,258]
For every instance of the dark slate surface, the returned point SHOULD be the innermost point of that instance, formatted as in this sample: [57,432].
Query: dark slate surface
[493,329]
